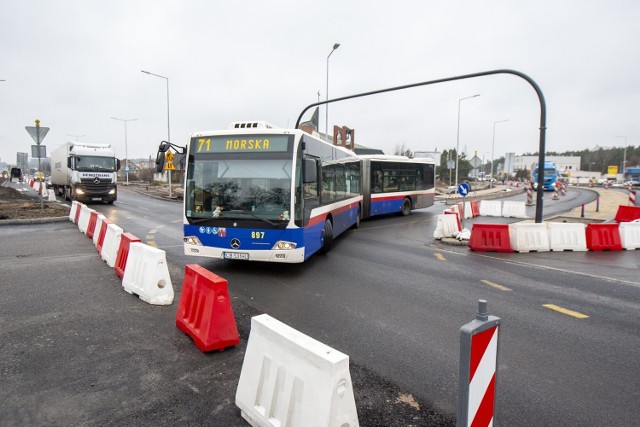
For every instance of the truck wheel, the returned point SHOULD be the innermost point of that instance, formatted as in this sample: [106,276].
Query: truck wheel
[67,193]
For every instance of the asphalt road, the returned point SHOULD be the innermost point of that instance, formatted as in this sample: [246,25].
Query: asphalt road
[394,301]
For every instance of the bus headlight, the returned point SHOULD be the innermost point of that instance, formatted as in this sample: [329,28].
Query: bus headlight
[284,245]
[192,240]
[112,191]
[79,191]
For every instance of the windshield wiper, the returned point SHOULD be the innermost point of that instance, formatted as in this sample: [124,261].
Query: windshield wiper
[200,220]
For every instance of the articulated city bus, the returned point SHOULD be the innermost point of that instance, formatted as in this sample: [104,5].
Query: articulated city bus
[396,184]
[255,192]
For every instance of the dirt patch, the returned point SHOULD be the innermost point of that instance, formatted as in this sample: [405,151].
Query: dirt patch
[16,205]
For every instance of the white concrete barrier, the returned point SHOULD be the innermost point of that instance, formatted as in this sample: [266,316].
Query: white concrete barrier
[83,221]
[491,208]
[630,235]
[446,226]
[290,379]
[72,212]
[96,231]
[147,274]
[52,195]
[511,209]
[567,236]
[529,237]
[111,244]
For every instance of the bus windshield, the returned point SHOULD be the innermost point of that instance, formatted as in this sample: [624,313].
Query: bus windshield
[239,188]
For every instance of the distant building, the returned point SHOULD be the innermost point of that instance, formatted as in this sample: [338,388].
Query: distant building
[564,164]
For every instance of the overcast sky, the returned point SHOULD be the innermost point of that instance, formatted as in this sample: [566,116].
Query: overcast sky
[74,64]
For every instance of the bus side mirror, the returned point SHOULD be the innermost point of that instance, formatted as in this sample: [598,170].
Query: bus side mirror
[310,171]
[160,161]
[163,147]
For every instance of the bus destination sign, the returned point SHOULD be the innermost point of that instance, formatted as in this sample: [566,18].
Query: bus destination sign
[240,144]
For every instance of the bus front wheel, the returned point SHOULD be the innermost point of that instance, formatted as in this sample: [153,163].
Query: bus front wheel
[406,207]
[327,238]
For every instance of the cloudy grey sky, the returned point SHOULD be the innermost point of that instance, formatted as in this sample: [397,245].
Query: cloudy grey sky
[74,64]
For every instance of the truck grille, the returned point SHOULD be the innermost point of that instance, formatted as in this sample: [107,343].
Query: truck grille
[93,185]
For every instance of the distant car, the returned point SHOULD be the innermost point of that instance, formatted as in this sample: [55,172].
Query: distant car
[452,189]
[632,182]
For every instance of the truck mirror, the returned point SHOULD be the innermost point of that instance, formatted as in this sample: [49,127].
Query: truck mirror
[117,164]
[160,161]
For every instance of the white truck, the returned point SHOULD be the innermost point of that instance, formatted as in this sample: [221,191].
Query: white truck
[85,172]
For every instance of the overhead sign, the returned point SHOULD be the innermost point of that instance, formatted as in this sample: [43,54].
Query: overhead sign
[463,189]
[37,133]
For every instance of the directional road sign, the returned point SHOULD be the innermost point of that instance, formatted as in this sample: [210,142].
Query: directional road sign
[463,189]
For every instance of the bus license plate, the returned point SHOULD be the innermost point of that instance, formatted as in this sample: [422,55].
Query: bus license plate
[236,255]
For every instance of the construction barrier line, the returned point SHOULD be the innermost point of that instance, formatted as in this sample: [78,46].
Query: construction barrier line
[529,237]
[204,310]
[567,236]
[93,218]
[147,274]
[97,229]
[123,253]
[111,244]
[290,379]
[630,235]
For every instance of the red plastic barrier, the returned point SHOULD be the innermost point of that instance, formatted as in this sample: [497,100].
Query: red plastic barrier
[91,227]
[627,213]
[205,312]
[475,208]
[603,237]
[77,216]
[103,232]
[123,253]
[490,238]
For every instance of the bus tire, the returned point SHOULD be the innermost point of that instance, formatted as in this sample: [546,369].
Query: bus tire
[406,206]
[356,225]
[327,238]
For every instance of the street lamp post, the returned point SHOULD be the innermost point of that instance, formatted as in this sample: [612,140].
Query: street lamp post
[624,156]
[168,121]
[126,152]
[458,134]
[492,148]
[326,108]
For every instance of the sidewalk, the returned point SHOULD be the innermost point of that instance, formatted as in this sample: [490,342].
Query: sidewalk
[603,210]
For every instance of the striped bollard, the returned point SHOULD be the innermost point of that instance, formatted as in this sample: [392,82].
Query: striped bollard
[530,195]
[478,366]
[632,198]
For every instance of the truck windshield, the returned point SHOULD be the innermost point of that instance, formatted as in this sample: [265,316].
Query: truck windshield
[239,188]
[95,164]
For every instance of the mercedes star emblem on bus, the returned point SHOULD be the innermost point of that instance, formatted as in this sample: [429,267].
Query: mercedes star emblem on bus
[235,243]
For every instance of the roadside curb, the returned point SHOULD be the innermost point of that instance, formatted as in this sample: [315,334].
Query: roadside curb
[34,220]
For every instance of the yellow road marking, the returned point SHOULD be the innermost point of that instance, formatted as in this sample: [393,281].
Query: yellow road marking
[565,311]
[495,285]
[439,256]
